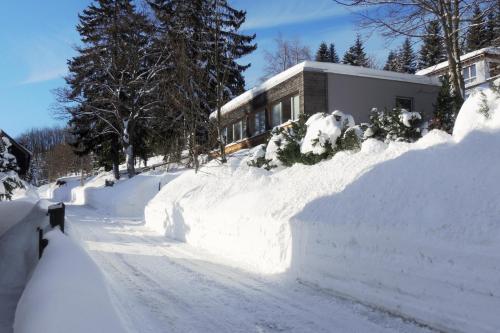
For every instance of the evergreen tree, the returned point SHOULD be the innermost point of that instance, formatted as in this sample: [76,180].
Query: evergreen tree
[112,79]
[432,51]
[477,35]
[392,62]
[446,108]
[356,55]
[333,56]
[406,58]
[9,179]
[323,53]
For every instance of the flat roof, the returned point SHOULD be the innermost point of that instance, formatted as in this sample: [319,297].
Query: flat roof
[444,64]
[324,67]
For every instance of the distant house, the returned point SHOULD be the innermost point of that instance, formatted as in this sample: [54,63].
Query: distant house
[479,67]
[312,87]
[23,155]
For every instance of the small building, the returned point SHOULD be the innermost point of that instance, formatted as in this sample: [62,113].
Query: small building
[23,155]
[478,67]
[312,87]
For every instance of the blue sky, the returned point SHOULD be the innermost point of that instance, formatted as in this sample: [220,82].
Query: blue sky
[37,37]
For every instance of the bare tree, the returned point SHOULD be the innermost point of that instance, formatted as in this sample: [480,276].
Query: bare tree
[288,53]
[410,17]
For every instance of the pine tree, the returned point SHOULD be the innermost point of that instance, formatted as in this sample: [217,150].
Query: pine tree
[432,51]
[445,109]
[333,56]
[392,62]
[323,53]
[406,58]
[356,55]
[9,179]
[477,35]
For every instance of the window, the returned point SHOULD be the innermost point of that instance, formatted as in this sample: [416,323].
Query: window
[276,118]
[469,73]
[260,122]
[404,103]
[295,103]
[238,131]
[228,134]
[494,69]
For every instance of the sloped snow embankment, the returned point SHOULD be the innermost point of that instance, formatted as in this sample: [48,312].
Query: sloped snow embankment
[67,293]
[411,228]
[127,197]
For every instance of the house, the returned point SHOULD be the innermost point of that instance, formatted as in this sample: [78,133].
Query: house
[312,87]
[478,67]
[23,155]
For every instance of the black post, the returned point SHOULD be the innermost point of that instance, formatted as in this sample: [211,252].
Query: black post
[159,186]
[57,213]
[42,243]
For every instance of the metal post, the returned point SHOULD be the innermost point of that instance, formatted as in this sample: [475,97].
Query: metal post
[42,243]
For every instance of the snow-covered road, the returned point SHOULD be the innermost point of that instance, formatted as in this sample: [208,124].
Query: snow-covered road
[160,285]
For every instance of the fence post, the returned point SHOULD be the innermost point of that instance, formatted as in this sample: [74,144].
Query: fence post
[42,242]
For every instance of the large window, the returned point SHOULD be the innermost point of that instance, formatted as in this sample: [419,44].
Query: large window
[404,103]
[228,134]
[295,104]
[469,73]
[260,122]
[238,131]
[276,116]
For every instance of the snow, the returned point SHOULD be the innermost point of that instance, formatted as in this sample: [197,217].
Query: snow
[411,228]
[407,117]
[324,67]
[62,192]
[127,197]
[11,212]
[67,293]
[18,253]
[323,129]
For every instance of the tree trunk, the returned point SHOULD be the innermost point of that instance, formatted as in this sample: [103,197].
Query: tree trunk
[115,156]
[128,148]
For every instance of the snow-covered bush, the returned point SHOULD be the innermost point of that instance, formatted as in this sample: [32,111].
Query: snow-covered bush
[311,140]
[257,158]
[9,179]
[396,125]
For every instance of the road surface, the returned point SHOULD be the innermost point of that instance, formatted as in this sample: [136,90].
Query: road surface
[160,285]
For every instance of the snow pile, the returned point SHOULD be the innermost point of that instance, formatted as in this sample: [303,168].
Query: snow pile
[127,197]
[18,253]
[471,118]
[60,190]
[323,129]
[412,228]
[407,117]
[67,293]
[276,142]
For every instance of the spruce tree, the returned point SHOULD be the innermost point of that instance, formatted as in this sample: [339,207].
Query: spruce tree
[356,55]
[446,108]
[392,62]
[9,179]
[477,35]
[406,58]
[323,53]
[333,56]
[432,51]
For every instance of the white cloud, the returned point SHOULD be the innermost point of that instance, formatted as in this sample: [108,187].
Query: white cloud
[45,74]
[265,14]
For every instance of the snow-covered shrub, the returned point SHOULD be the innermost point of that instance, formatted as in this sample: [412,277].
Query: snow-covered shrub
[257,158]
[396,125]
[446,108]
[9,179]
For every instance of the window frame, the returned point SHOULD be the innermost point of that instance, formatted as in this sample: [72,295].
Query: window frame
[412,105]
[239,125]
[467,73]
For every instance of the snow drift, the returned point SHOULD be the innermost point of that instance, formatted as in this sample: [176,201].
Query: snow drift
[411,228]
[67,293]
[126,198]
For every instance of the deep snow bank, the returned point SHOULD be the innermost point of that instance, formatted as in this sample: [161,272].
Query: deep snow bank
[412,228]
[62,192]
[127,197]
[67,293]
[18,254]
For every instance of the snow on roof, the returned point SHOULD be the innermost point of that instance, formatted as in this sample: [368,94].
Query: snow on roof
[314,66]
[444,64]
